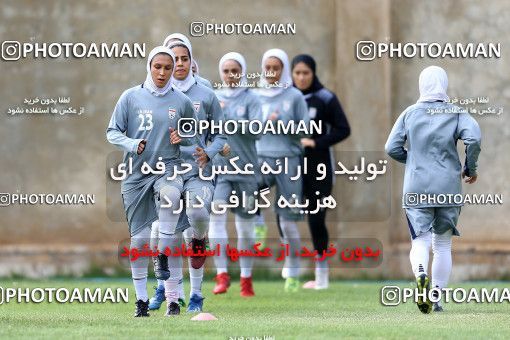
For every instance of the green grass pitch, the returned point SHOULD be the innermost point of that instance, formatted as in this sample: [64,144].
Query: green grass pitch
[349,309]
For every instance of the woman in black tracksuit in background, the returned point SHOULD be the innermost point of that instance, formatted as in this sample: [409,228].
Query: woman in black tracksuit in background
[323,105]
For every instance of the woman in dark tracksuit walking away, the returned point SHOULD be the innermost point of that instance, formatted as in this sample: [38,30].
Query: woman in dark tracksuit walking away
[323,105]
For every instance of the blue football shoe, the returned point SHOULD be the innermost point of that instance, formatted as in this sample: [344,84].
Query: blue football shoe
[158,298]
[196,303]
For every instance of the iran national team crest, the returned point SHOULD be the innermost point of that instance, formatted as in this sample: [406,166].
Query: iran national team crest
[196,105]
[171,113]
[286,105]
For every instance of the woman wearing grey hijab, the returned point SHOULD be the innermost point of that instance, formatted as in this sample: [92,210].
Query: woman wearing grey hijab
[425,138]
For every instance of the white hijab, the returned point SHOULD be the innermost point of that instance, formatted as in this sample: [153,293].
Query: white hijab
[149,82]
[177,36]
[433,83]
[183,85]
[285,80]
[197,70]
[235,91]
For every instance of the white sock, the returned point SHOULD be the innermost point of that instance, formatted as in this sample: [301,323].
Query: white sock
[199,220]
[218,235]
[188,234]
[167,219]
[321,273]
[291,236]
[196,276]
[140,267]
[141,289]
[245,240]
[285,269]
[171,293]
[419,254]
[321,278]
[154,234]
[180,288]
[442,260]
[154,243]
[175,267]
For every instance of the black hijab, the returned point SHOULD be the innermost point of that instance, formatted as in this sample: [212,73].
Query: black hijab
[310,62]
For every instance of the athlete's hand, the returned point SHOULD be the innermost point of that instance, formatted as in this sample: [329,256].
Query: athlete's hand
[308,142]
[226,150]
[174,137]
[469,180]
[201,157]
[141,146]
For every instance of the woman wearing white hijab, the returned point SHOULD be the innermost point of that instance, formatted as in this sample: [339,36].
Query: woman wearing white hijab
[195,68]
[430,130]
[141,126]
[239,104]
[281,101]
[195,221]
[182,38]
